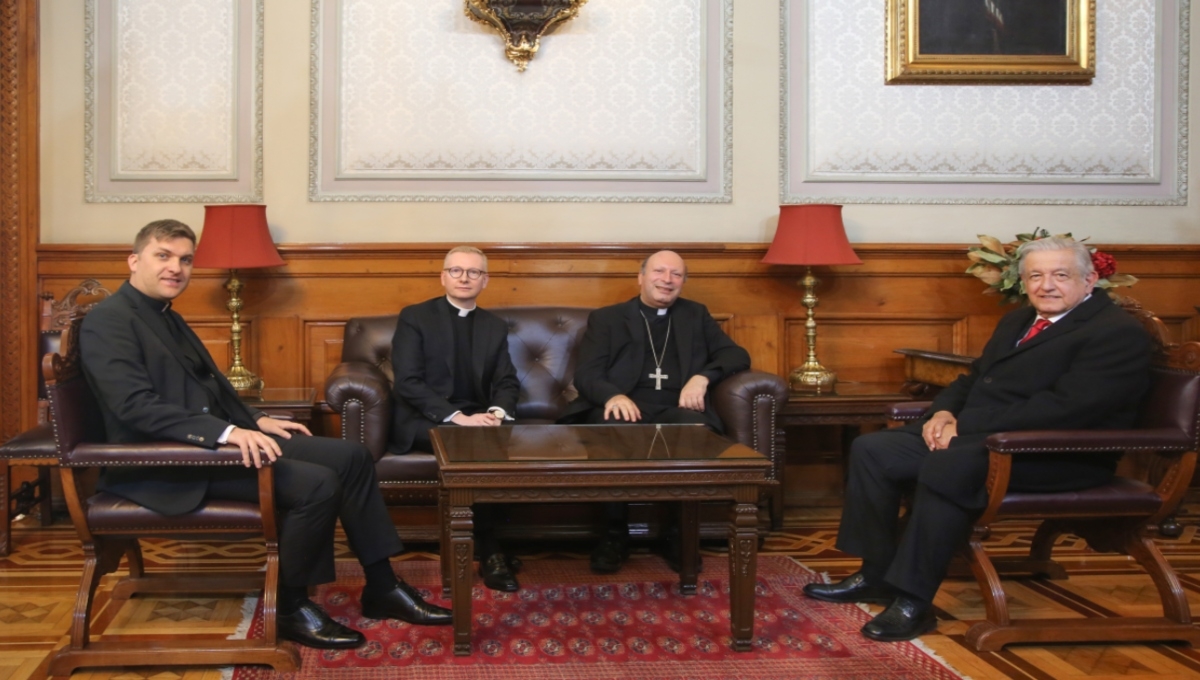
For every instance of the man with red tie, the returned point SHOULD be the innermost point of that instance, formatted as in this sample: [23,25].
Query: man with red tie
[1070,360]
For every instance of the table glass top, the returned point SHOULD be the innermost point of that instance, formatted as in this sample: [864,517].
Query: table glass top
[518,443]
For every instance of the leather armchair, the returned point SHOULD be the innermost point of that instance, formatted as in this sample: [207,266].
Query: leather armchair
[1120,516]
[542,342]
[110,527]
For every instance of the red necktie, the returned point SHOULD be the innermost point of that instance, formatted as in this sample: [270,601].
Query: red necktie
[1037,327]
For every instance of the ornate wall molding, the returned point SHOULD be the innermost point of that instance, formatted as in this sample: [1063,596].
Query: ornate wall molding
[846,137]
[173,101]
[410,101]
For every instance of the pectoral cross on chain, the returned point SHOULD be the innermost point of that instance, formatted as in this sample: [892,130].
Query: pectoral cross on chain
[658,376]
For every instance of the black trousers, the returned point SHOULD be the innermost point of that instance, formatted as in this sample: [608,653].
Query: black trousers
[318,481]
[617,514]
[883,467]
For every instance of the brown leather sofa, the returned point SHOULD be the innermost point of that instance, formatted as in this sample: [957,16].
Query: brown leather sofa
[542,342]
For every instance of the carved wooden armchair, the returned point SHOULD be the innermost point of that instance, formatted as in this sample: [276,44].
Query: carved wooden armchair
[110,526]
[1122,516]
[35,446]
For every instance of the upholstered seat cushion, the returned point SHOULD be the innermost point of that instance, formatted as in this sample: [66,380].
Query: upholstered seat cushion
[1122,496]
[35,443]
[407,467]
[110,514]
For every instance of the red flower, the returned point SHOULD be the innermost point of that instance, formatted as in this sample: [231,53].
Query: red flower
[1105,264]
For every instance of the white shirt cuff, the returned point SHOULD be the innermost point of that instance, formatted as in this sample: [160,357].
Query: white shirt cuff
[224,438]
[451,416]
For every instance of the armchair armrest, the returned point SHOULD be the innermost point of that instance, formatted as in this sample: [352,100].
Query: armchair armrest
[151,454]
[907,411]
[747,404]
[362,394]
[1089,441]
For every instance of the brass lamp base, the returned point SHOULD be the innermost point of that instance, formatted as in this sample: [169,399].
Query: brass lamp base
[239,376]
[812,379]
[242,379]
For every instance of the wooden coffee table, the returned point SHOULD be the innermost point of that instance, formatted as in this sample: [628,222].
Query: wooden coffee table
[591,463]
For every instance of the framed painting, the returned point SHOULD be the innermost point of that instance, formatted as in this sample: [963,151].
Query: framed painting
[1003,41]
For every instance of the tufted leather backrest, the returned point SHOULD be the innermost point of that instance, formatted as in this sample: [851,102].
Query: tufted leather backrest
[1173,401]
[541,342]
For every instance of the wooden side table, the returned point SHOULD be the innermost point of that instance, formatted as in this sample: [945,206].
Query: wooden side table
[861,406]
[285,403]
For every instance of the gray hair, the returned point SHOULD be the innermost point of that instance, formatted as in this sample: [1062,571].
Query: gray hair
[1083,256]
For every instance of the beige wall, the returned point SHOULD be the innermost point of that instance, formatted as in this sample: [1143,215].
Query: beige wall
[66,218]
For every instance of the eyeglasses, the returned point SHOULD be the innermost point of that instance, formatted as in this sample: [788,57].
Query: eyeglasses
[457,272]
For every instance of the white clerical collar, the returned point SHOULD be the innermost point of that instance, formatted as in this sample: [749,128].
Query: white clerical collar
[461,311]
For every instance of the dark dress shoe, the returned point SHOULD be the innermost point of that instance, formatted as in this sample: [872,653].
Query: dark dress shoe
[497,575]
[608,557]
[310,626]
[904,619]
[853,588]
[514,563]
[404,602]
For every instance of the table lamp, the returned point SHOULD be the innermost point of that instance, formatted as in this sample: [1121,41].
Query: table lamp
[811,235]
[236,237]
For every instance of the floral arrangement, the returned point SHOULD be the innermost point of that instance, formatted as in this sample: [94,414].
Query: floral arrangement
[997,265]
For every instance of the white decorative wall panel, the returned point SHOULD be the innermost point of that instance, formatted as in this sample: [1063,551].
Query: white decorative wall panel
[172,103]
[848,137]
[414,101]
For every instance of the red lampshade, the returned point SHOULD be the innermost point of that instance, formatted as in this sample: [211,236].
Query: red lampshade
[236,237]
[810,235]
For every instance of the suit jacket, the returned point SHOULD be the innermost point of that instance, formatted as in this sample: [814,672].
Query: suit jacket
[148,391]
[614,348]
[1089,370]
[423,361]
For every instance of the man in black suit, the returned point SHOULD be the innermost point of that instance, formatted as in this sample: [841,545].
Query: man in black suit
[452,367]
[154,380]
[1071,360]
[650,359]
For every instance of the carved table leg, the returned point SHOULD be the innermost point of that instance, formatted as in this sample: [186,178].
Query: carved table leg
[444,547]
[743,557]
[462,546]
[689,544]
[5,518]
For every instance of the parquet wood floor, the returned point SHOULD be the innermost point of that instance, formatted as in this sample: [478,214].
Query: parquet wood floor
[38,583]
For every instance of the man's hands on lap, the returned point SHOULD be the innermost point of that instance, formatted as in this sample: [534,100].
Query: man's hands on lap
[939,430]
[692,394]
[622,407]
[477,420]
[255,444]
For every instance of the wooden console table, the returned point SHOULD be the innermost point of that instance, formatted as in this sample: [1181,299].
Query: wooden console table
[285,403]
[854,407]
[592,463]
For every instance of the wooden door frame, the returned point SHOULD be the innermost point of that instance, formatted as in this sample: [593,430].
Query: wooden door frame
[19,214]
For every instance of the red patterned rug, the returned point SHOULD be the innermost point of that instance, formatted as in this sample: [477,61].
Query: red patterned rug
[569,624]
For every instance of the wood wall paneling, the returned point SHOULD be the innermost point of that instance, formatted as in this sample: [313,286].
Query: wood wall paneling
[901,296]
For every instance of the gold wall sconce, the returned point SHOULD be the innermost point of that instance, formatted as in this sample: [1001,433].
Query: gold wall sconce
[522,22]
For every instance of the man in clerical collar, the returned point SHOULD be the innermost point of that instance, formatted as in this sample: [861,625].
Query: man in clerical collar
[435,351]
[651,359]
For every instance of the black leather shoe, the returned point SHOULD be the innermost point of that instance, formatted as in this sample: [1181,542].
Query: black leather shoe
[514,563]
[904,619]
[853,588]
[404,602]
[608,557]
[310,626]
[497,575]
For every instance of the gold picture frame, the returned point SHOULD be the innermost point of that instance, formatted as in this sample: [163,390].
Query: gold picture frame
[991,41]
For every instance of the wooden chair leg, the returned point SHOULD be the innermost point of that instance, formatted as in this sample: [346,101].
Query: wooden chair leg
[1174,601]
